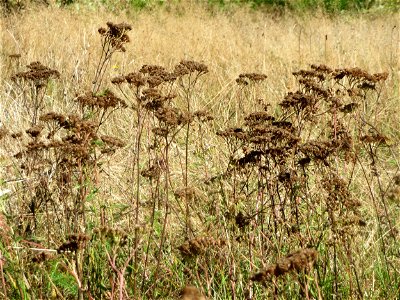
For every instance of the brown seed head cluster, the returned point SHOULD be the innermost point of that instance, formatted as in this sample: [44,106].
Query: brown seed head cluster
[150,76]
[186,67]
[115,35]
[104,101]
[34,131]
[199,245]
[74,242]
[41,257]
[359,75]
[112,141]
[203,116]
[298,261]
[338,194]
[37,73]
[153,172]
[248,78]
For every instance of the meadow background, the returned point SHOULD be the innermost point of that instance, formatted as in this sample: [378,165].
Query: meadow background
[201,172]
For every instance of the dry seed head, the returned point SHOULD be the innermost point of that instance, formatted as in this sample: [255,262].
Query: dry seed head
[16,135]
[104,101]
[115,35]
[152,172]
[247,78]
[359,75]
[34,131]
[157,74]
[297,100]
[52,116]
[322,68]
[112,141]
[186,67]
[258,118]
[117,30]
[199,245]
[203,115]
[118,80]
[37,73]
[233,132]
[297,261]
[136,79]
[73,243]
[172,117]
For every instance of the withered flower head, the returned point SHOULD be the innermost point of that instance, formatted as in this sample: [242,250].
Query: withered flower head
[16,135]
[37,72]
[112,141]
[115,35]
[322,68]
[34,131]
[199,245]
[52,116]
[136,79]
[73,243]
[247,78]
[105,100]
[188,66]
[297,261]
[203,115]
[258,118]
[153,172]
[118,80]
[117,30]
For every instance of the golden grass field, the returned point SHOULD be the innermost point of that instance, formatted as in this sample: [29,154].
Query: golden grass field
[229,43]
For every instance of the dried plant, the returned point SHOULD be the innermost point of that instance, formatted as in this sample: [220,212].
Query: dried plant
[34,84]
[298,261]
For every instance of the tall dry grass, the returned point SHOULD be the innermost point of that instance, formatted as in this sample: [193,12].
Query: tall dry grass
[230,43]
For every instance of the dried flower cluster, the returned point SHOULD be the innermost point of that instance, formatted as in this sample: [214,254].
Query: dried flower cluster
[37,73]
[104,101]
[186,67]
[248,78]
[301,260]
[115,35]
[73,243]
[199,245]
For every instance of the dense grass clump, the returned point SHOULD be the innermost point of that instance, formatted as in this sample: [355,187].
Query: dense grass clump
[127,179]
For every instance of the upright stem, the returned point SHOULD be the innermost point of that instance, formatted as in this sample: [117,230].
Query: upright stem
[164,229]
[137,146]
[187,163]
